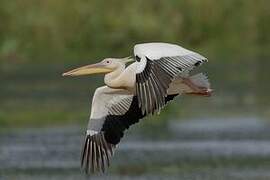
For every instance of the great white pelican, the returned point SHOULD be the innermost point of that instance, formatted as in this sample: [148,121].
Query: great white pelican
[161,71]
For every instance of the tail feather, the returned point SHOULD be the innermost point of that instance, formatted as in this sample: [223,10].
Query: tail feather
[200,80]
[178,87]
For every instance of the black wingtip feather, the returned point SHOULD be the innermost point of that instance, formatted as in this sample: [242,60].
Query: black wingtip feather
[84,151]
[95,154]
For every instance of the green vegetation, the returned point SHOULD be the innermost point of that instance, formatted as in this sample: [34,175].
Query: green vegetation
[41,39]
[57,31]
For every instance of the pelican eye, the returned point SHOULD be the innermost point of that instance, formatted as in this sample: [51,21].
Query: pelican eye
[137,58]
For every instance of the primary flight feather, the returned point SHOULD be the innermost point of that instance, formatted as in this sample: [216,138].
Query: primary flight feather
[161,71]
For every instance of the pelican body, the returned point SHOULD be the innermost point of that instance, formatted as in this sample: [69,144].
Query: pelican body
[159,73]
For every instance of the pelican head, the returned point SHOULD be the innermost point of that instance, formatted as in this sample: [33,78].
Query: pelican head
[105,66]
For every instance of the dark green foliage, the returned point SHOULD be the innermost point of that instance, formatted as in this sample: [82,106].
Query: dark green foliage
[82,30]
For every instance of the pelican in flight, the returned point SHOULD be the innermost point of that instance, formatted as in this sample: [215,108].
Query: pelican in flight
[159,73]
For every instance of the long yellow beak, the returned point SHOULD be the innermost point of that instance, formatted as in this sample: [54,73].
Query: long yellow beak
[89,69]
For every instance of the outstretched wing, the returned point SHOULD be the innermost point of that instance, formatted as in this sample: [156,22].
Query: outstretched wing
[158,65]
[113,111]
[100,140]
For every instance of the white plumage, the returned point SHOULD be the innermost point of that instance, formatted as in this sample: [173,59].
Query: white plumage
[160,73]
[158,50]
[105,97]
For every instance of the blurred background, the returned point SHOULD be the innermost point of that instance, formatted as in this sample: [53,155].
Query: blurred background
[43,116]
